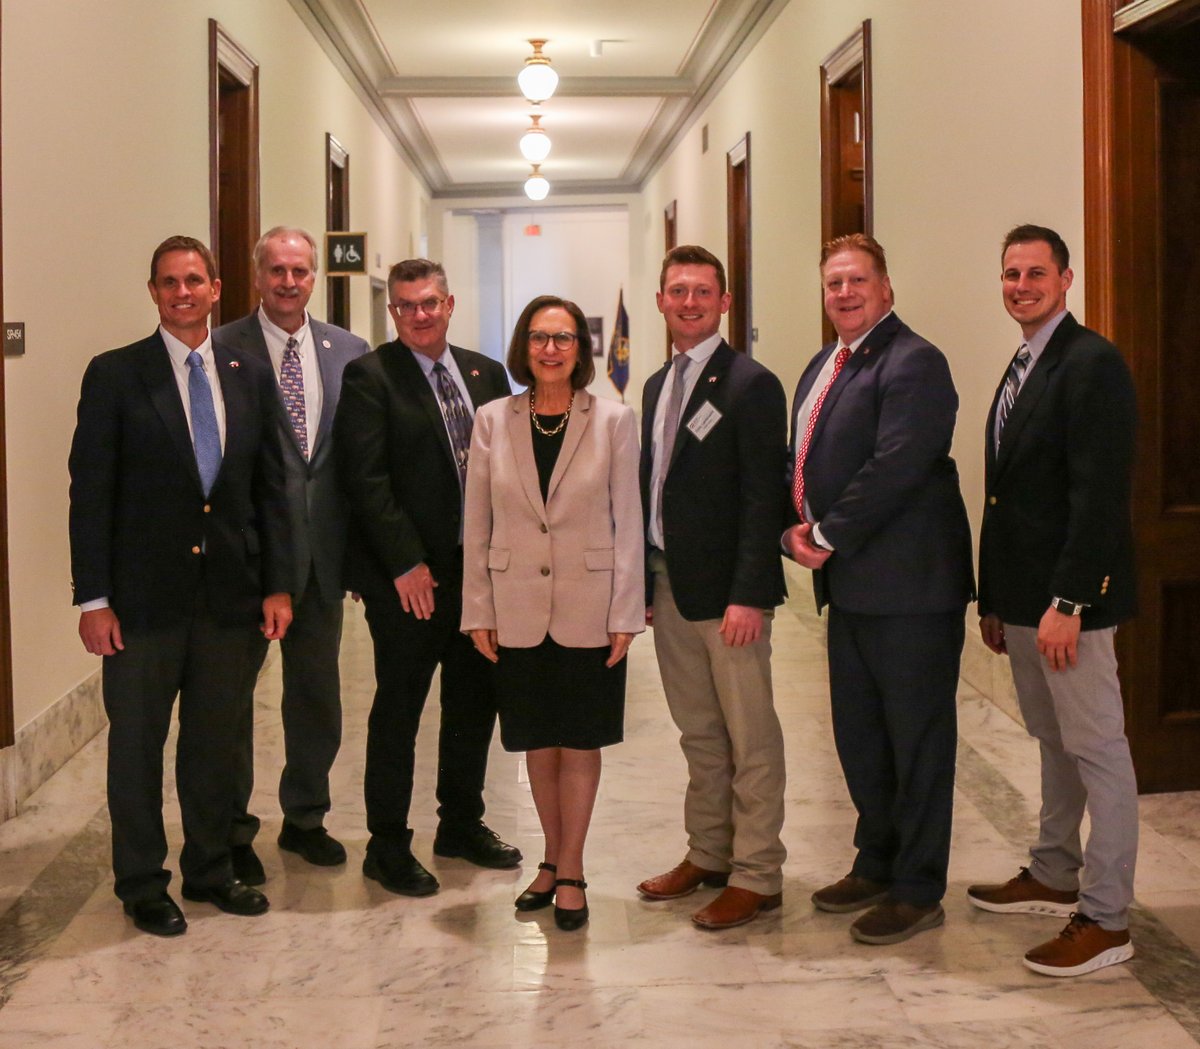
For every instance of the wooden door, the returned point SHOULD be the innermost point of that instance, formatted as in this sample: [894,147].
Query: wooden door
[737,264]
[670,240]
[233,172]
[337,217]
[1143,213]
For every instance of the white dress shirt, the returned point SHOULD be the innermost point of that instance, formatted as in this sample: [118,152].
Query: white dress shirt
[699,355]
[276,339]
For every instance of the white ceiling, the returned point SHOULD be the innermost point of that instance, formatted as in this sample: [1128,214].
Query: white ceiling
[441,80]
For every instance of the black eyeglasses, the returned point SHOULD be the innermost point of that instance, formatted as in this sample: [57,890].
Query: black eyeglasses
[430,306]
[563,340]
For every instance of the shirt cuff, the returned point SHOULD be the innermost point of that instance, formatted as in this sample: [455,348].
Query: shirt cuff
[93,605]
[819,539]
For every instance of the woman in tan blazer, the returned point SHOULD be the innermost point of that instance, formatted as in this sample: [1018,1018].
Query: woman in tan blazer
[553,588]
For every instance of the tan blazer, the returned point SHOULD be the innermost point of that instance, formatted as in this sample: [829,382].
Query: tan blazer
[572,567]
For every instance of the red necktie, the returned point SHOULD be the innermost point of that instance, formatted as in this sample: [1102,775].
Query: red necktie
[843,355]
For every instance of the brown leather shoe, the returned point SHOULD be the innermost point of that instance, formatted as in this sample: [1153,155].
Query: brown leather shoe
[852,893]
[893,922]
[681,881]
[735,907]
[1082,947]
[1023,894]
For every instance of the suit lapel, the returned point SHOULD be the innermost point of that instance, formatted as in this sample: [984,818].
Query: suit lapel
[877,341]
[238,410]
[521,441]
[1032,389]
[159,377]
[331,382]
[577,425]
[708,385]
[651,392]
[408,375]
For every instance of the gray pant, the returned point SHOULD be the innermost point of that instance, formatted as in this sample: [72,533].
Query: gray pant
[312,717]
[1077,717]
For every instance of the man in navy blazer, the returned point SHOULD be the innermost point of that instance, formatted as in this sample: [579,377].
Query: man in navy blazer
[179,548]
[1056,576]
[307,358]
[403,452]
[714,430]
[880,518]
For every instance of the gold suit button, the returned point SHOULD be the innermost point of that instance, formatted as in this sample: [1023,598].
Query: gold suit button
[991,500]
[207,508]
[545,571]
[195,549]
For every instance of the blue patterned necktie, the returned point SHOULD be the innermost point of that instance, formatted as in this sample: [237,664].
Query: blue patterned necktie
[458,419]
[206,438]
[291,389]
[1012,386]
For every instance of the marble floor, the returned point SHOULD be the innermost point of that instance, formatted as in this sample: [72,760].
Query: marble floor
[339,963]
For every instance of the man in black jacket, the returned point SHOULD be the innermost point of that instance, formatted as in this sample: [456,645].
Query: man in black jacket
[713,433]
[179,547]
[1056,576]
[402,433]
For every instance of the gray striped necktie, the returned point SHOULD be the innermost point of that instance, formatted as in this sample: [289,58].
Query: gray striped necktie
[1012,386]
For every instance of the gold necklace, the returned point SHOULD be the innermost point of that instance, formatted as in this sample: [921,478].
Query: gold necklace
[559,428]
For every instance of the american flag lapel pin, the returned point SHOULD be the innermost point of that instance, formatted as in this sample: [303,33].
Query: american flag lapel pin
[474,373]
[235,364]
[712,378]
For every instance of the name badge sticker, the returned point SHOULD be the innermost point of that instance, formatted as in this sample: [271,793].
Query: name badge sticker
[703,421]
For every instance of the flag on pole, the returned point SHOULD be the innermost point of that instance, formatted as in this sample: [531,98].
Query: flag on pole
[618,348]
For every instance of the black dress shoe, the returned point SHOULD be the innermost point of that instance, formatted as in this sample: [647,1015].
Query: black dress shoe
[247,867]
[407,878]
[313,845]
[232,897]
[530,900]
[160,916]
[478,845]
[574,918]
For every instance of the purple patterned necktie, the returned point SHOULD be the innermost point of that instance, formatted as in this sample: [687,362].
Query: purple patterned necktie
[458,419]
[291,389]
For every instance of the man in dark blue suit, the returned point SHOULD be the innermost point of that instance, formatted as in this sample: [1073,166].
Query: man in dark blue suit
[880,519]
[1056,576]
[307,358]
[179,548]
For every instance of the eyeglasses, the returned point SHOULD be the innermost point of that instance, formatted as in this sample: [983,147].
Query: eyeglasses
[563,340]
[430,306]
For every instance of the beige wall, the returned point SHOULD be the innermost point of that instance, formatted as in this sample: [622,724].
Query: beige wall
[978,126]
[105,149]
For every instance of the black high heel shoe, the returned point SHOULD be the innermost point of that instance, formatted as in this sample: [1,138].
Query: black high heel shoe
[530,900]
[570,920]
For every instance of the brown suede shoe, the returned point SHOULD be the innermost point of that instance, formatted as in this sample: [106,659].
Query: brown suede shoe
[1082,947]
[894,922]
[681,881]
[852,893]
[735,907]
[1023,894]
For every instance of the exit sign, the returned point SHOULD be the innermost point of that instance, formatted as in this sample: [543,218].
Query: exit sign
[533,230]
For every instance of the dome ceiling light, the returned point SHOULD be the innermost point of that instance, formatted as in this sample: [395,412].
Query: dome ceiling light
[537,80]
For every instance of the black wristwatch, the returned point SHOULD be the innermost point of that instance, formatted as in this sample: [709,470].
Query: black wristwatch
[1067,608]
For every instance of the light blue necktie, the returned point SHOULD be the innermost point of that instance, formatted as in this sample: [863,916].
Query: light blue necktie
[206,438]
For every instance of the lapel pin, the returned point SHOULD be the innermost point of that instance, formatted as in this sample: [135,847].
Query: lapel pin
[866,351]
[234,364]
[327,344]
[712,378]
[474,373]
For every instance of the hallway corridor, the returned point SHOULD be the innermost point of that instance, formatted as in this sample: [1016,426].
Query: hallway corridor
[339,963]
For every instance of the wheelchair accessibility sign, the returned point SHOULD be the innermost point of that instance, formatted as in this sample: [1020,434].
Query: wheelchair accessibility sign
[345,253]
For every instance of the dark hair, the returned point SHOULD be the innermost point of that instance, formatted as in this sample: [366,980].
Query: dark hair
[691,255]
[417,269]
[181,243]
[863,242]
[518,347]
[1028,233]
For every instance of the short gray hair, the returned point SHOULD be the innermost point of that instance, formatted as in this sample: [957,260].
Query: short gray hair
[284,231]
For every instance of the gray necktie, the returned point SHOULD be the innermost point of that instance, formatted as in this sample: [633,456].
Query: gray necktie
[1012,386]
[671,425]
[206,437]
[458,419]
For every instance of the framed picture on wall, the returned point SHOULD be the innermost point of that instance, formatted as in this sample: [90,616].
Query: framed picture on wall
[596,328]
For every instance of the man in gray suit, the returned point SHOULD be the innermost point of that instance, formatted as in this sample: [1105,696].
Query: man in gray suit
[307,357]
